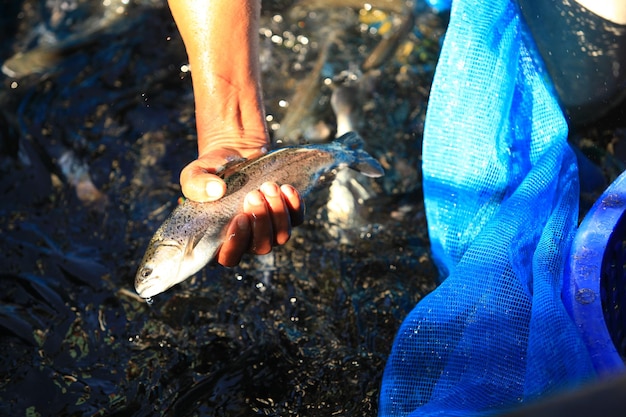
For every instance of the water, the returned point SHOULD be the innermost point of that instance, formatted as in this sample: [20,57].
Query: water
[95,127]
[92,138]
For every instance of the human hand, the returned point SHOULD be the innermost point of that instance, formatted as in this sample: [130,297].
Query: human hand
[268,213]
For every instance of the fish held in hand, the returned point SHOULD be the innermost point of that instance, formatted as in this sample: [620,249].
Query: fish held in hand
[193,233]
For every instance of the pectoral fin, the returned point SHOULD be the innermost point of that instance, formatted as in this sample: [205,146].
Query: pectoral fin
[192,242]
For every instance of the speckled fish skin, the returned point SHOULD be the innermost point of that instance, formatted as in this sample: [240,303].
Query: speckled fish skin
[191,236]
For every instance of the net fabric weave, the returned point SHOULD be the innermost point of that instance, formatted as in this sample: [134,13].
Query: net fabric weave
[501,197]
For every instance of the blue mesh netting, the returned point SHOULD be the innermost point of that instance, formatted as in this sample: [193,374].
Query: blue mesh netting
[501,196]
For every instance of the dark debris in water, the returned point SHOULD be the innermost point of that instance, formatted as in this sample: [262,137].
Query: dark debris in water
[96,122]
[93,133]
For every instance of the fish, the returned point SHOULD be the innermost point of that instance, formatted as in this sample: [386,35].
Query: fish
[299,120]
[344,101]
[388,46]
[346,194]
[71,27]
[105,21]
[193,233]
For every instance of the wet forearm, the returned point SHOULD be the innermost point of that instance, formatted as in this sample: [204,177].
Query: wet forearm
[221,38]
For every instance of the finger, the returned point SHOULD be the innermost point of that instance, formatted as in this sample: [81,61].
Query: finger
[294,203]
[262,233]
[199,184]
[237,241]
[279,212]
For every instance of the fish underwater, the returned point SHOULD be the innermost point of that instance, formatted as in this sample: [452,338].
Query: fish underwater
[191,236]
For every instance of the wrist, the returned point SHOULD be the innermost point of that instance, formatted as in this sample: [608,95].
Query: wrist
[232,143]
[230,114]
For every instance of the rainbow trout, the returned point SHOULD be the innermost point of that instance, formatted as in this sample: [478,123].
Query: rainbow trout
[192,234]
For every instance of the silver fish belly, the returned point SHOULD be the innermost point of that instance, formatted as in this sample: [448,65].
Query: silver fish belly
[191,236]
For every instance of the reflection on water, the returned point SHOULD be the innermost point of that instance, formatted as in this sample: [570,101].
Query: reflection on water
[97,120]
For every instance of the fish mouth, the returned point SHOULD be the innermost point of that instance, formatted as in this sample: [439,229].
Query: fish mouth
[152,287]
[148,291]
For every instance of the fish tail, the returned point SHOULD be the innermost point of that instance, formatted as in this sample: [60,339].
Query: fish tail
[352,144]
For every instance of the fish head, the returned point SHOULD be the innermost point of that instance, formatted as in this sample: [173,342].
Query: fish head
[168,262]
[160,268]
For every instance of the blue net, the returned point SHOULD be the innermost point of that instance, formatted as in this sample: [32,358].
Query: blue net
[501,196]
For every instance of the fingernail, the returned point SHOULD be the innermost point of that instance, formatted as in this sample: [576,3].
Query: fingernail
[242,222]
[254,198]
[270,189]
[214,189]
[288,190]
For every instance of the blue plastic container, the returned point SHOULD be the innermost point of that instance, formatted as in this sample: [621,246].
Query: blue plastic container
[595,280]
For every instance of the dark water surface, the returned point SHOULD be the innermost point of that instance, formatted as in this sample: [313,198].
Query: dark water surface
[96,122]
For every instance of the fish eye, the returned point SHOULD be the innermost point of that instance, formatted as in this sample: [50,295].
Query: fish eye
[146,272]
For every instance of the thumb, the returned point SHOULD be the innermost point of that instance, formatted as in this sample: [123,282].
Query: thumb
[199,184]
